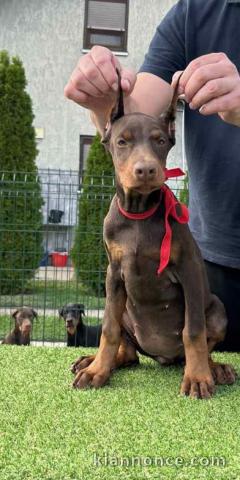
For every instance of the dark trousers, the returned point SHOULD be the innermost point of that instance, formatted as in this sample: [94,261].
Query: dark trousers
[225,283]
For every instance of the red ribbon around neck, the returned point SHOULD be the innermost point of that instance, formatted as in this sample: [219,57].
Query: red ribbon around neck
[170,210]
[138,216]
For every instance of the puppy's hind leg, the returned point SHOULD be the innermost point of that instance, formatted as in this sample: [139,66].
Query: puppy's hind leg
[223,374]
[126,356]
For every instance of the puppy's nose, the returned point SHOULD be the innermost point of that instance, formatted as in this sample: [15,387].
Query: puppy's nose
[144,172]
[26,328]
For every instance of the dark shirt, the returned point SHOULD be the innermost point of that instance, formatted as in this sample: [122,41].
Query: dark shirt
[190,29]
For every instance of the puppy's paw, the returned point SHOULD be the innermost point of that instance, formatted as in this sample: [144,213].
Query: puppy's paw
[223,374]
[82,362]
[197,387]
[92,376]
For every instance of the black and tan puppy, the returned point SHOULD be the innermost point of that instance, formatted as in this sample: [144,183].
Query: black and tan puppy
[158,300]
[79,334]
[20,334]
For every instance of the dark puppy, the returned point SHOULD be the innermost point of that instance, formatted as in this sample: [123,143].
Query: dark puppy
[79,334]
[158,300]
[20,334]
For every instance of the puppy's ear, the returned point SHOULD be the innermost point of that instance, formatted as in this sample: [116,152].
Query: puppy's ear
[118,110]
[35,314]
[82,311]
[14,314]
[80,308]
[168,118]
[60,311]
[116,113]
[106,136]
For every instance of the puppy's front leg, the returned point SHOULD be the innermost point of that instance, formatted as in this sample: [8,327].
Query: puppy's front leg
[99,370]
[197,381]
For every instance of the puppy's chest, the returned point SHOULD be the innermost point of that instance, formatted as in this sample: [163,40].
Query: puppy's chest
[136,248]
[134,240]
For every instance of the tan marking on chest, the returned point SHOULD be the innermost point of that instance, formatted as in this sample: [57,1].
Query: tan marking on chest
[175,252]
[116,251]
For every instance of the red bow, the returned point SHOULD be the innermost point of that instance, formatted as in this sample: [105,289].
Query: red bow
[173,172]
[170,209]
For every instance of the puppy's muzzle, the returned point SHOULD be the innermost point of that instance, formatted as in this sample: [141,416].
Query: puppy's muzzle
[26,327]
[144,173]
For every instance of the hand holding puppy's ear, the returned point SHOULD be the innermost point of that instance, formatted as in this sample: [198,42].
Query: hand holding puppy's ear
[211,85]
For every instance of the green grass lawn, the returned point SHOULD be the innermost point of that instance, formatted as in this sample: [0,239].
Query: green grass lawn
[48,431]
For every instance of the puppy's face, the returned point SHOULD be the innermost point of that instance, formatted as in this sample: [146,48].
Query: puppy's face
[72,314]
[24,317]
[139,145]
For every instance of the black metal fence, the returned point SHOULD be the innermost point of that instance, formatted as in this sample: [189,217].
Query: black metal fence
[54,282]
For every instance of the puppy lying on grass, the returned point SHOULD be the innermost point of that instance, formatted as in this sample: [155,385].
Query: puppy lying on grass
[79,334]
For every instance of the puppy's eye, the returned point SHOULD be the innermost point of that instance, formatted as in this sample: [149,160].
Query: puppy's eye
[121,142]
[161,141]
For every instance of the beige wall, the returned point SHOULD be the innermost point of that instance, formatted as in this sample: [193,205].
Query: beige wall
[47,35]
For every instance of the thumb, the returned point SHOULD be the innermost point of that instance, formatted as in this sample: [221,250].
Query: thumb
[128,77]
[128,80]
[175,79]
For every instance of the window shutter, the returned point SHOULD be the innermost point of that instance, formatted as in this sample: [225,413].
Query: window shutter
[106,15]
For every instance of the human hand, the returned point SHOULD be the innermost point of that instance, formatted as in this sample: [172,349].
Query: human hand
[211,84]
[94,82]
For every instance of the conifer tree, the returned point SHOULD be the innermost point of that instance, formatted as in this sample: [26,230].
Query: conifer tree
[20,190]
[88,253]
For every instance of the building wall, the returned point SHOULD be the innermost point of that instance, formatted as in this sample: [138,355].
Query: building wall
[47,36]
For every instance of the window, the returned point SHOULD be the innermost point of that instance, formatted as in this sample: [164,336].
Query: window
[106,24]
[85,143]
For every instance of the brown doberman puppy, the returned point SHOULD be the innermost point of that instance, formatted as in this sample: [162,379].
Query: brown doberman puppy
[158,300]
[20,335]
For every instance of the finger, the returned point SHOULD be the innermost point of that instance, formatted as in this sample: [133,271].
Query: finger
[106,64]
[221,104]
[212,89]
[199,62]
[204,74]
[128,80]
[128,77]
[88,74]
[175,80]
[84,84]
[74,94]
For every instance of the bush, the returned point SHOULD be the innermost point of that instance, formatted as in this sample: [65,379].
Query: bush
[88,253]
[184,193]
[20,194]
